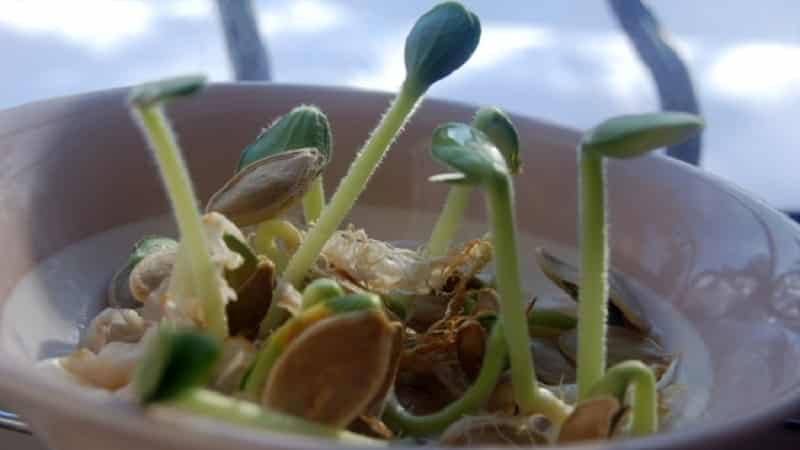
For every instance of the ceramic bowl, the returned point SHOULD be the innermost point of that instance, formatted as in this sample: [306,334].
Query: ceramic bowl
[718,270]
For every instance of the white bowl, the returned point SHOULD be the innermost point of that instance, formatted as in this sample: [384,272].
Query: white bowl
[719,269]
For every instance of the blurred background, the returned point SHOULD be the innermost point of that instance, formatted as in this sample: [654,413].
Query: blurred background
[565,61]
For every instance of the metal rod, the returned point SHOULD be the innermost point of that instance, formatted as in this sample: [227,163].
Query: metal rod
[246,49]
[12,422]
[672,79]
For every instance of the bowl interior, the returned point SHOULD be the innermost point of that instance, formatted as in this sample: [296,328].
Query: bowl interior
[717,271]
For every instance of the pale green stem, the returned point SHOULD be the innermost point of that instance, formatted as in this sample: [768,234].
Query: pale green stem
[351,186]
[320,290]
[314,201]
[265,359]
[512,310]
[272,320]
[449,220]
[473,399]
[527,394]
[551,319]
[184,205]
[593,294]
[266,238]
[206,403]
[267,235]
[549,323]
[644,419]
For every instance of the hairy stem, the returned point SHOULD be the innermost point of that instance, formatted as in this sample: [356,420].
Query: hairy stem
[449,220]
[173,170]
[213,405]
[529,397]
[593,294]
[314,201]
[644,419]
[351,186]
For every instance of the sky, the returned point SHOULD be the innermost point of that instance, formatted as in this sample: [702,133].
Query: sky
[564,61]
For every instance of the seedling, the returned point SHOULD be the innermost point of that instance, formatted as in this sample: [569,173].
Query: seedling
[178,363]
[441,41]
[498,127]
[621,137]
[306,365]
[325,305]
[479,163]
[303,127]
[194,264]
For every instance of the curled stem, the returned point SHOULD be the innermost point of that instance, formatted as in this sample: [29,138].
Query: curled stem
[206,403]
[267,235]
[593,295]
[475,397]
[448,222]
[320,290]
[644,404]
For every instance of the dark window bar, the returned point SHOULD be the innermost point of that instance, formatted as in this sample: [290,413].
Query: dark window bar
[674,85]
[671,76]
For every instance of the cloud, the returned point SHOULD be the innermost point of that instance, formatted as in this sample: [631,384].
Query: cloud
[99,25]
[189,9]
[613,64]
[756,72]
[302,17]
[96,24]
[390,70]
[500,43]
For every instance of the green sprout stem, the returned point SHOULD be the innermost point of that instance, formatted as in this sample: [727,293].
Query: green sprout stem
[508,285]
[551,319]
[473,399]
[314,201]
[549,323]
[267,235]
[529,396]
[644,420]
[173,170]
[479,162]
[593,296]
[349,190]
[621,137]
[502,133]
[206,403]
[440,42]
[448,221]
[320,290]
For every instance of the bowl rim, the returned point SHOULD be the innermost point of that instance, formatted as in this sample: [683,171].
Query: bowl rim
[40,392]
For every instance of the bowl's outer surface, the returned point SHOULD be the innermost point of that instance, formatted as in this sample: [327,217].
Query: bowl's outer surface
[74,167]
